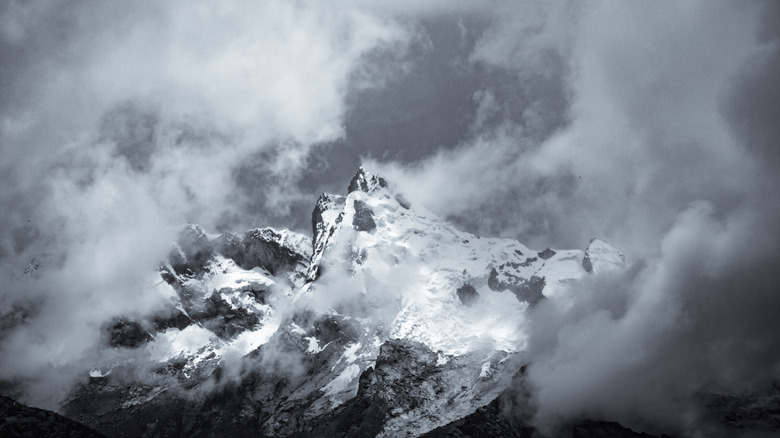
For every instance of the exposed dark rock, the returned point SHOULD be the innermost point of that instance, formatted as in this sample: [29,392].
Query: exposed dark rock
[529,290]
[127,333]
[321,232]
[606,429]
[546,254]
[754,411]
[528,262]
[325,203]
[467,294]
[587,264]
[364,182]
[196,251]
[506,416]
[259,247]
[222,319]
[392,386]
[363,220]
[599,251]
[18,420]
[278,382]
[171,317]
[402,201]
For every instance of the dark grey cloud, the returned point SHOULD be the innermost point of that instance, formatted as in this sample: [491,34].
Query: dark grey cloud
[752,107]
[435,96]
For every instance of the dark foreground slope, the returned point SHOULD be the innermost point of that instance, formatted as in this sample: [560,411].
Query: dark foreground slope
[18,420]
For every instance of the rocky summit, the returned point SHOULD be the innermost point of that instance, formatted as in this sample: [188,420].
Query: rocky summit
[387,321]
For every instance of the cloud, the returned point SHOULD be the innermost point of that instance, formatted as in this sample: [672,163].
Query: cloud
[644,107]
[121,122]
[695,318]
[668,152]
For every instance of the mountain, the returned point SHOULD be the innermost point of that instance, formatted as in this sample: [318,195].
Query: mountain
[387,321]
[17,420]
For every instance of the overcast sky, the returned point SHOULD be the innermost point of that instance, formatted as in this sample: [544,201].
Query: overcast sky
[654,126]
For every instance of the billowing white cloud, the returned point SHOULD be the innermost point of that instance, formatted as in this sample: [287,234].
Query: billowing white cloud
[648,160]
[121,122]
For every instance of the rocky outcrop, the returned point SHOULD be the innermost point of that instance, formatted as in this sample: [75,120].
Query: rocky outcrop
[758,412]
[224,320]
[261,247]
[126,333]
[363,220]
[601,256]
[411,391]
[192,252]
[18,420]
[325,218]
[467,294]
[607,429]
[529,290]
[365,182]
[546,254]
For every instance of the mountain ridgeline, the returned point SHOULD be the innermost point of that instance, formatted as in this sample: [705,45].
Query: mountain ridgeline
[387,321]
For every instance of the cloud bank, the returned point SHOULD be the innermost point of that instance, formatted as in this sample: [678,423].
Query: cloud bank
[668,152]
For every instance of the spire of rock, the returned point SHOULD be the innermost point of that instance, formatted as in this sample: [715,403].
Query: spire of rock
[600,255]
[365,182]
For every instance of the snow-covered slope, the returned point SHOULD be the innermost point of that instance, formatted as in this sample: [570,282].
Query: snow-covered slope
[410,265]
[309,319]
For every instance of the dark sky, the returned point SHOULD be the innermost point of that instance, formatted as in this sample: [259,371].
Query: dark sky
[652,126]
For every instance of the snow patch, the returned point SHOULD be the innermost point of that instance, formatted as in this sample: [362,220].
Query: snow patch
[349,354]
[174,342]
[341,383]
[314,345]
[485,372]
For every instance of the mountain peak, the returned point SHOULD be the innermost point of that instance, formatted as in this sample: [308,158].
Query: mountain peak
[365,182]
[600,255]
[390,297]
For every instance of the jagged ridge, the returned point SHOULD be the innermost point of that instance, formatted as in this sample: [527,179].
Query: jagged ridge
[386,292]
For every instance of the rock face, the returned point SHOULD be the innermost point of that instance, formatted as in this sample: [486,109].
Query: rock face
[601,256]
[127,333]
[18,420]
[363,220]
[387,322]
[365,182]
[467,294]
[410,391]
[262,248]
